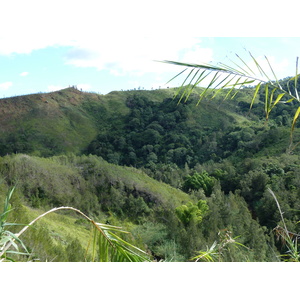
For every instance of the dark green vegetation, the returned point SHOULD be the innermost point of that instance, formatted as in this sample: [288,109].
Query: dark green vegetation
[178,177]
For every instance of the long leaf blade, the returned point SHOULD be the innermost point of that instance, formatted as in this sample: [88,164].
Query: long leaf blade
[279,97]
[273,72]
[296,79]
[245,64]
[255,94]
[296,116]
[260,69]
[267,101]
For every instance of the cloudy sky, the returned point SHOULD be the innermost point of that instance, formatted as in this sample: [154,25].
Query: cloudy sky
[103,46]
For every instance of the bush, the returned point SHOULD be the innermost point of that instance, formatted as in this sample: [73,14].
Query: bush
[199,181]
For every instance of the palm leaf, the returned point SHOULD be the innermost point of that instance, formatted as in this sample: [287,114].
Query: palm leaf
[278,99]
[296,116]
[255,94]
[269,102]
[220,89]
[260,69]
[111,247]
[247,66]
[7,206]
[207,88]
[246,75]
[296,79]
[106,245]
[240,69]
[191,86]
[233,88]
[182,86]
[273,72]
[210,255]
[230,69]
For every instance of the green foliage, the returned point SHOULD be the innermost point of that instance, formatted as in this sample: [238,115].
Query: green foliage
[108,192]
[157,132]
[191,213]
[244,142]
[6,236]
[224,154]
[289,239]
[238,76]
[119,194]
[199,181]
[107,244]
[217,250]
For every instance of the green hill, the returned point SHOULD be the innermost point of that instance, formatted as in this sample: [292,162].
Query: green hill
[178,176]
[68,120]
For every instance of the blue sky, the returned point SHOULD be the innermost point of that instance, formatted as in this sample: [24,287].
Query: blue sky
[103,46]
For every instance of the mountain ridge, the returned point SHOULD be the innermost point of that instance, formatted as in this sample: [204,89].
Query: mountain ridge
[70,117]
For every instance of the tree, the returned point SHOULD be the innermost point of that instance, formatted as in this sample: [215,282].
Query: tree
[228,81]
[191,212]
[199,181]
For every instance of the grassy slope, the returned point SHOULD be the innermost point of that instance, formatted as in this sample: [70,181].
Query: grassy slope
[73,119]
[58,116]
[58,180]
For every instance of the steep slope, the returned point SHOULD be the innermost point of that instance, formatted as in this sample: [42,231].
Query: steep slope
[118,195]
[169,223]
[46,123]
[69,120]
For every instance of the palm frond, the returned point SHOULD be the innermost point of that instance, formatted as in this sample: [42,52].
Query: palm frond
[241,74]
[273,72]
[217,249]
[107,245]
[255,94]
[247,66]
[296,79]
[210,255]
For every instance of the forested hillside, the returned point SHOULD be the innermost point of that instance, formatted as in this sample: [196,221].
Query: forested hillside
[176,175]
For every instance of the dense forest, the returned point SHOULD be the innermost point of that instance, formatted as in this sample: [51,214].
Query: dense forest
[179,177]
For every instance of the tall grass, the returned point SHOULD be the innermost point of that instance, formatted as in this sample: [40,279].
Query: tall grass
[7,238]
[289,239]
[106,244]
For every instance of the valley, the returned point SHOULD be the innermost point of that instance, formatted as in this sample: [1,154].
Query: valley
[178,176]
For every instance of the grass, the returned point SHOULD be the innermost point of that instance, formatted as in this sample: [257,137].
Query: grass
[66,226]
[289,239]
[142,182]
[103,242]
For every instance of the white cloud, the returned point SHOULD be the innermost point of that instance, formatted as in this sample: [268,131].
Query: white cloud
[33,24]
[5,85]
[128,54]
[119,36]
[24,74]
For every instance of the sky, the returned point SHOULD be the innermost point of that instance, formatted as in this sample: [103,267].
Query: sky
[102,46]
